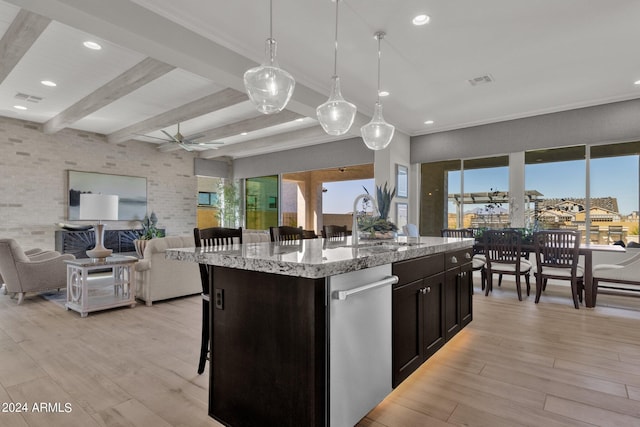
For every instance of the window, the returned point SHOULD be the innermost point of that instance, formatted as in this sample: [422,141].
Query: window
[486,193]
[614,190]
[558,176]
[207,199]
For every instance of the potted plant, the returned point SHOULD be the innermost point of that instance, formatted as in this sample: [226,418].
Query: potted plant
[379,227]
[149,231]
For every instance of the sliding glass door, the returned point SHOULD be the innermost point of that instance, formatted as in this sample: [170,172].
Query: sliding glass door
[261,202]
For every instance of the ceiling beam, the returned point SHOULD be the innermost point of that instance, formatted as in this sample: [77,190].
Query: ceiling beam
[137,76]
[18,39]
[207,104]
[282,141]
[247,125]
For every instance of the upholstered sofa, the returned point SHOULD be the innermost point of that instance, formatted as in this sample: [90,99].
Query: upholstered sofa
[159,278]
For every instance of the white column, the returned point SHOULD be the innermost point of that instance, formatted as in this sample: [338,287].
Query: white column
[516,189]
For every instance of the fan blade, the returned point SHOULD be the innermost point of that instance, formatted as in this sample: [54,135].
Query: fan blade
[203,143]
[171,137]
[185,147]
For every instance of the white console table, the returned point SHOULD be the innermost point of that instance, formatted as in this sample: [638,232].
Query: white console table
[85,294]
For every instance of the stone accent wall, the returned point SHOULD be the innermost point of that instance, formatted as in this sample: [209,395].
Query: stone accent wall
[33,179]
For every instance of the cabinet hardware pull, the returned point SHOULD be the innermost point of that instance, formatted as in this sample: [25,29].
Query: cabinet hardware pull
[454,260]
[342,295]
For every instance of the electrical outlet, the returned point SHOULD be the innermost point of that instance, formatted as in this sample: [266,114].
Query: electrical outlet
[218,295]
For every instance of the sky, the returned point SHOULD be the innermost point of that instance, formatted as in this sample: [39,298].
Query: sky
[339,196]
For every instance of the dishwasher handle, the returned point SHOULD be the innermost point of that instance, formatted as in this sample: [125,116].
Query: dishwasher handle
[342,295]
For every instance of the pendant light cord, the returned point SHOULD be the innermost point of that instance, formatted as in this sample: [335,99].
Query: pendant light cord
[335,54]
[379,37]
[271,19]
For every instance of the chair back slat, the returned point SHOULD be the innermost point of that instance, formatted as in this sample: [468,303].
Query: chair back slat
[334,232]
[557,248]
[503,246]
[456,232]
[286,233]
[214,238]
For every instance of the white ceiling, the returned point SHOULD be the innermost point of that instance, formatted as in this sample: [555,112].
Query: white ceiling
[544,56]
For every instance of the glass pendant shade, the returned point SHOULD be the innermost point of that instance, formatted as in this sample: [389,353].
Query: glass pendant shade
[336,115]
[377,134]
[269,87]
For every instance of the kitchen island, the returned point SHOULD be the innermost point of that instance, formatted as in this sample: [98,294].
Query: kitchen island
[301,334]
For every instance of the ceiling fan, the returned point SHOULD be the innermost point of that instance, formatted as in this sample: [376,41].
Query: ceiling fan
[185,143]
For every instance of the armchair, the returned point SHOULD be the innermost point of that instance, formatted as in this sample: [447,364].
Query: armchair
[39,272]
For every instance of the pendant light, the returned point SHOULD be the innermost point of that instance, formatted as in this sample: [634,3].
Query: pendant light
[336,115]
[377,134]
[269,87]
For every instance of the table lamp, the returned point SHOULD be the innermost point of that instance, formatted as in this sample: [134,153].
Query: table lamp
[100,207]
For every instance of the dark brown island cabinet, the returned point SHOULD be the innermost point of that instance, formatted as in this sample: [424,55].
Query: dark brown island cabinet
[432,302]
[291,331]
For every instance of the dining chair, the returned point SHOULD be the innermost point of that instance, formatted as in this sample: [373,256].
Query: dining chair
[478,261]
[614,233]
[503,254]
[557,255]
[214,237]
[334,232]
[285,233]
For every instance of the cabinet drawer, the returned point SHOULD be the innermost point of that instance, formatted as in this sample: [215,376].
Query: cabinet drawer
[458,258]
[414,269]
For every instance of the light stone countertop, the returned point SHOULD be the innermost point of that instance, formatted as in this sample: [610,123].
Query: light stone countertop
[316,258]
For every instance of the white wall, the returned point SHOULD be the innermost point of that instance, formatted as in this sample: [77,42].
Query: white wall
[607,123]
[33,179]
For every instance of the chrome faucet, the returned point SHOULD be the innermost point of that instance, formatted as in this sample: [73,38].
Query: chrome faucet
[354,228]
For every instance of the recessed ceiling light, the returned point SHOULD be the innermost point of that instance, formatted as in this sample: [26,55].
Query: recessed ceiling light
[244,133]
[421,19]
[92,45]
[300,119]
[19,107]
[48,83]
[637,82]
[429,122]
[383,93]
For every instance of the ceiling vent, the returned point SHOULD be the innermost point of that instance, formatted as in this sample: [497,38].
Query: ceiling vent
[28,98]
[481,80]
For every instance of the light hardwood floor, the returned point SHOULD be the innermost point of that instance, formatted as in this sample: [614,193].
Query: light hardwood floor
[516,364]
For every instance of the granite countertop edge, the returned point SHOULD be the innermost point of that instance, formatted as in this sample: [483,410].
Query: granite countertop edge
[316,265]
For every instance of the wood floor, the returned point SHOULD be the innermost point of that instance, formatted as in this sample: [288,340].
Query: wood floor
[517,363]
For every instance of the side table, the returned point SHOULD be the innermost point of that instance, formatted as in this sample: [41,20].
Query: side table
[85,294]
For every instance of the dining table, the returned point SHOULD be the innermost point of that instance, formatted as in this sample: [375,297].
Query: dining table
[586,250]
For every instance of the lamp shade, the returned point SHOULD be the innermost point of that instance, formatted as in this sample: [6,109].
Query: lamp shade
[98,207]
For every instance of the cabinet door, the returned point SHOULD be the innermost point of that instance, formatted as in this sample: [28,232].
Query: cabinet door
[452,302]
[466,295]
[433,324]
[406,329]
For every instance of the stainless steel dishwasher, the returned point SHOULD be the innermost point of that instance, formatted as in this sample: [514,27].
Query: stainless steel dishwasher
[359,343]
